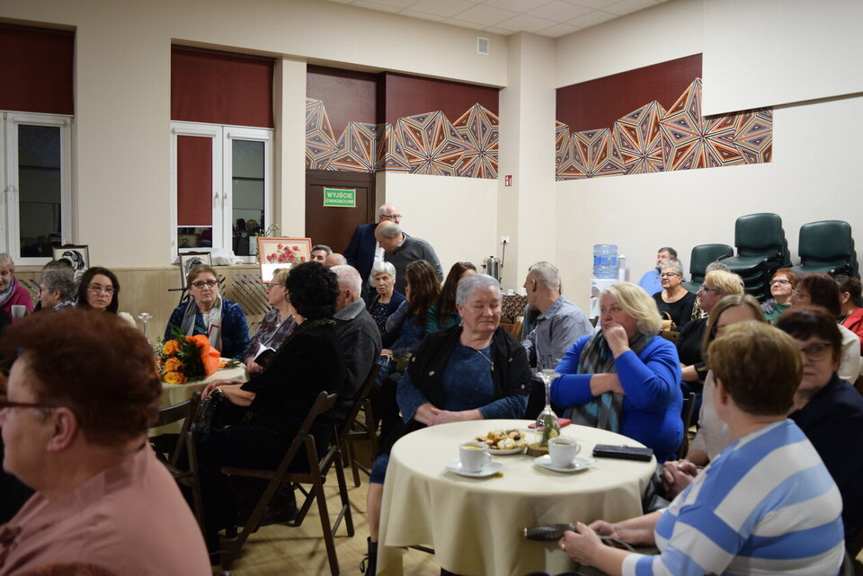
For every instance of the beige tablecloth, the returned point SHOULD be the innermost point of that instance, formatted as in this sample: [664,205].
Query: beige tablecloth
[475,525]
[176,393]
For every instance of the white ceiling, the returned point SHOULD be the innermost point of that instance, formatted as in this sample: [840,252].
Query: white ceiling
[552,18]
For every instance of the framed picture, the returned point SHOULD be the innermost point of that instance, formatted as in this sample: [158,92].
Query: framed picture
[189,260]
[275,253]
[79,256]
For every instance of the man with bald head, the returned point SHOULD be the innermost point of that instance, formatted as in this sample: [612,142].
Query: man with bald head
[401,249]
[363,250]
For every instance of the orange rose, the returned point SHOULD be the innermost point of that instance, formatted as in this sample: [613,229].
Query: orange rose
[170,348]
[175,378]
[199,339]
[173,365]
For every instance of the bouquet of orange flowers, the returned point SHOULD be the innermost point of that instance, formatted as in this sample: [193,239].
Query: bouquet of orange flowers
[187,358]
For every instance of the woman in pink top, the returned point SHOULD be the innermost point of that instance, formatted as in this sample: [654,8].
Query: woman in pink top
[11,292]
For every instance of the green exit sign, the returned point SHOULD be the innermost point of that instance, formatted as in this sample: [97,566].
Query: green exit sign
[344,197]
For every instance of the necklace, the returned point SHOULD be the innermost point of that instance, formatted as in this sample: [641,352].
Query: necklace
[486,358]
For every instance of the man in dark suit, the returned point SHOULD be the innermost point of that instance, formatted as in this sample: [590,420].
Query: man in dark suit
[363,247]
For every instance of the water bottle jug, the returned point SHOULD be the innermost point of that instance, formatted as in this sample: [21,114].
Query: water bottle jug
[605,260]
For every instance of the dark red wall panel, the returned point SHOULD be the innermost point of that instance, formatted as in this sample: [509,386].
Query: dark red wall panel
[36,66]
[349,96]
[409,95]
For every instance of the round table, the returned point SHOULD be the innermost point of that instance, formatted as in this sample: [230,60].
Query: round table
[476,525]
[176,393]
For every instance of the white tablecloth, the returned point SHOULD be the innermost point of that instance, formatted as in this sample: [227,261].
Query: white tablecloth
[475,525]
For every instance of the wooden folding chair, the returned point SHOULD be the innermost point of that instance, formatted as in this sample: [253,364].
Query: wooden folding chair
[281,477]
[361,432]
[686,415]
[185,411]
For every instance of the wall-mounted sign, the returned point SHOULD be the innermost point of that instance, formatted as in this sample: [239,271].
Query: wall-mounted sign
[343,197]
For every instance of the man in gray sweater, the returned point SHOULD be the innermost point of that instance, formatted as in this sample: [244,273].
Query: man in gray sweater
[401,249]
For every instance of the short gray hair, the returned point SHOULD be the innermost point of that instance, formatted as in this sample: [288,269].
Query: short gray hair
[547,274]
[382,267]
[474,282]
[348,277]
[716,265]
[323,247]
[674,266]
[389,229]
[61,279]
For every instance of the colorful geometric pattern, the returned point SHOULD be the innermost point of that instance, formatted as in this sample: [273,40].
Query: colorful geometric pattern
[651,139]
[422,144]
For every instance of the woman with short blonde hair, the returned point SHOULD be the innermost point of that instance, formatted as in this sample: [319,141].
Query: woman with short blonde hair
[11,292]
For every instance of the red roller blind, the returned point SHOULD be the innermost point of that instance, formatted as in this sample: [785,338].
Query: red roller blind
[36,66]
[221,88]
[194,181]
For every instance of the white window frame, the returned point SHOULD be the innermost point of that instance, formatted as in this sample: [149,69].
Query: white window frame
[222,178]
[10,237]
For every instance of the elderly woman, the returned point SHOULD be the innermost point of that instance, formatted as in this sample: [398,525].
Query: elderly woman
[206,312]
[766,504]
[11,292]
[473,371]
[821,290]
[56,289]
[674,300]
[443,313]
[829,410]
[308,362]
[99,290]
[276,325]
[386,300]
[82,394]
[781,287]
[849,297]
[713,434]
[625,378]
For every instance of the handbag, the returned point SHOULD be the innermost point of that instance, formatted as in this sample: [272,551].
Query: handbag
[667,322]
[215,413]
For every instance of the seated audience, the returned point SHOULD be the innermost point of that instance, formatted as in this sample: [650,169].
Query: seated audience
[829,411]
[766,504]
[335,259]
[650,280]
[821,290]
[62,263]
[849,295]
[57,289]
[674,300]
[276,325]
[11,292]
[625,377]
[385,301]
[443,314]
[713,434]
[308,362]
[319,253]
[473,371]
[207,313]
[781,287]
[99,290]
[82,394]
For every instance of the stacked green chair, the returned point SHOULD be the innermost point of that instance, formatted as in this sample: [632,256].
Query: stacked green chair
[761,250]
[827,246]
[702,255]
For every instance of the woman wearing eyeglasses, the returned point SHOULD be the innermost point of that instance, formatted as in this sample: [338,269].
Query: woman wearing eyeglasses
[99,290]
[206,312]
[276,325]
[674,299]
[781,287]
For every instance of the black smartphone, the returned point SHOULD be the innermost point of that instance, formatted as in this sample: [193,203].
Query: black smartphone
[623,452]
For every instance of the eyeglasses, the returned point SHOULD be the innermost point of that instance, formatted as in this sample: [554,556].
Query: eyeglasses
[273,285]
[8,405]
[708,290]
[98,289]
[817,351]
[208,283]
[393,217]
[668,274]
[780,281]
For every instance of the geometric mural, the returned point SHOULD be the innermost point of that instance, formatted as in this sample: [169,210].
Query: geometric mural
[426,143]
[652,139]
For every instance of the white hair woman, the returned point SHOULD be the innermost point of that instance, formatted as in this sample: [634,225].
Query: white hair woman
[674,299]
[624,378]
[386,300]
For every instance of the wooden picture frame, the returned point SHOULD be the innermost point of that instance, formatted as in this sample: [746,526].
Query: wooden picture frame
[78,256]
[189,260]
[276,252]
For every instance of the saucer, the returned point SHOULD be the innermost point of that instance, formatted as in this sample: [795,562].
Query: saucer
[578,464]
[488,470]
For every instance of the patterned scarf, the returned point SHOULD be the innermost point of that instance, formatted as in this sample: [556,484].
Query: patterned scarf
[604,411]
[8,292]
[212,322]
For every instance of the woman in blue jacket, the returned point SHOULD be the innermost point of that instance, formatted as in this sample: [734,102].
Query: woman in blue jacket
[625,378]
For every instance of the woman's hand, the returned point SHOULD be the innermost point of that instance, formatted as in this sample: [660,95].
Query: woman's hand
[445,416]
[252,366]
[602,383]
[678,475]
[616,337]
[581,546]
[426,413]
[605,529]
[208,389]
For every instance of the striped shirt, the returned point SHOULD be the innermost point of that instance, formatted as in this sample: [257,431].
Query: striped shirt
[765,505]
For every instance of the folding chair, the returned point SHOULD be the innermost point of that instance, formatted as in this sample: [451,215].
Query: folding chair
[281,477]
[356,432]
[186,412]
[686,415]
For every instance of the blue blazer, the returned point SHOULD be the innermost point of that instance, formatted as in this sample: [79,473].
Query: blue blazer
[360,252]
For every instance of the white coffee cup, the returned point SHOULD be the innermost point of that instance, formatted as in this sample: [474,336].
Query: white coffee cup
[563,450]
[18,311]
[474,456]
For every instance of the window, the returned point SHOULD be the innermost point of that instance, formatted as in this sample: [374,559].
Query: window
[35,174]
[221,187]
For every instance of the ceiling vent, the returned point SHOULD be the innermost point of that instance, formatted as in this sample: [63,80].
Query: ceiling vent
[482,45]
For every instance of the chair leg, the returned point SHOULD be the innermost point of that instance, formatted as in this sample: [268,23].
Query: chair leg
[352,459]
[346,502]
[252,523]
[318,490]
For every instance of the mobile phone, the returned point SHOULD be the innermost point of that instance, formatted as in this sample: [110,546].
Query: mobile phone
[622,452]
